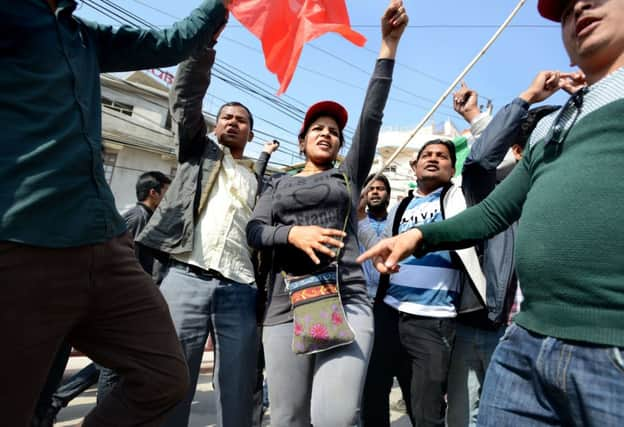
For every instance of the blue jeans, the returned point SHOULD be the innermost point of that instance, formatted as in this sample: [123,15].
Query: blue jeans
[106,382]
[470,359]
[322,389]
[203,304]
[535,380]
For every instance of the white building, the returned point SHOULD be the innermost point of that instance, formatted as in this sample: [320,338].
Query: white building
[399,172]
[136,132]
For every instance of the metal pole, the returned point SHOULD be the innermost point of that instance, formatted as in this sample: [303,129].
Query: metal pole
[450,89]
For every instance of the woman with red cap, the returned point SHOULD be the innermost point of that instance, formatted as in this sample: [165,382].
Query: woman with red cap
[308,221]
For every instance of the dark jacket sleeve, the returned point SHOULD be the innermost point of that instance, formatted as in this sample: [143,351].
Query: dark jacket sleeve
[128,48]
[261,233]
[185,102]
[359,159]
[489,150]
[135,219]
[260,168]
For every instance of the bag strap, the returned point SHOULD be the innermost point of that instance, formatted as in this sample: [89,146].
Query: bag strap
[346,220]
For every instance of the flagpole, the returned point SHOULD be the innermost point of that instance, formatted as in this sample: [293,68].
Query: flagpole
[449,89]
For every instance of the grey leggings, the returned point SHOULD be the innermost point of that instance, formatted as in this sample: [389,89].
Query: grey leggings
[324,389]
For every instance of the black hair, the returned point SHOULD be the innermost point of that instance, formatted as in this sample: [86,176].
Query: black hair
[237,104]
[533,117]
[448,144]
[148,181]
[381,178]
[304,131]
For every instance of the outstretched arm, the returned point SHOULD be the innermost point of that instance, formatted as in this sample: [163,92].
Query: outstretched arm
[185,103]
[263,161]
[359,159]
[128,48]
[484,220]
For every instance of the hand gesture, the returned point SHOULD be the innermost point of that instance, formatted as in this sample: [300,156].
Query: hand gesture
[465,102]
[393,21]
[542,87]
[271,146]
[572,82]
[387,253]
[312,238]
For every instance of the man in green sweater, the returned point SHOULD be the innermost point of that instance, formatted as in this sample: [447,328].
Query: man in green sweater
[562,362]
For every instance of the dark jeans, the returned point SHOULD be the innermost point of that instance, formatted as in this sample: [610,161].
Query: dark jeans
[535,380]
[203,304]
[99,299]
[64,393]
[388,360]
[106,383]
[258,393]
[471,357]
[53,380]
[428,342]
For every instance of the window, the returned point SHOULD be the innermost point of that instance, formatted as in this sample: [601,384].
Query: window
[172,173]
[109,165]
[118,106]
[391,168]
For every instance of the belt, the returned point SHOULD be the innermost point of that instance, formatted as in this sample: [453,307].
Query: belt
[198,271]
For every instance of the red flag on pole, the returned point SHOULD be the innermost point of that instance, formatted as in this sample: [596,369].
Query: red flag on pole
[284,26]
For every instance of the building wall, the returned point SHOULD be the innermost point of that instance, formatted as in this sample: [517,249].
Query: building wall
[130,164]
[399,173]
[146,108]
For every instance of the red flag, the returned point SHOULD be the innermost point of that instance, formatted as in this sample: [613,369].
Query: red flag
[284,26]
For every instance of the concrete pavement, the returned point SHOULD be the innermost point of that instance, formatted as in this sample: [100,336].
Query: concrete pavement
[203,412]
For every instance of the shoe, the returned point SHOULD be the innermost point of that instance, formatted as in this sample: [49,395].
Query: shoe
[47,419]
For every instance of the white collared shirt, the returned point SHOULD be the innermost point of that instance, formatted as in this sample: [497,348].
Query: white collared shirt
[219,241]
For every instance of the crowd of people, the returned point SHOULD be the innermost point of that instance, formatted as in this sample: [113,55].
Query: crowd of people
[311,279]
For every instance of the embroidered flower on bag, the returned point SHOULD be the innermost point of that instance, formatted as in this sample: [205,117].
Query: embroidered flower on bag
[298,329]
[319,332]
[336,318]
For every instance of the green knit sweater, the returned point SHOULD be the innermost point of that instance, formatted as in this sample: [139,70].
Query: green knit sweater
[570,245]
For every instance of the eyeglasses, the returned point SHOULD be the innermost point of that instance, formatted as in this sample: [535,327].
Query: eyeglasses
[557,133]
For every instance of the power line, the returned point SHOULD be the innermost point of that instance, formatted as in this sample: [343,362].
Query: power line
[272,136]
[463,26]
[362,70]
[366,72]
[332,78]
[223,71]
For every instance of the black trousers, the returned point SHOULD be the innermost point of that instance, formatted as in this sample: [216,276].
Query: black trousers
[428,342]
[388,360]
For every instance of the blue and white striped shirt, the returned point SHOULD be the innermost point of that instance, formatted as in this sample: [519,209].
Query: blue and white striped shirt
[427,286]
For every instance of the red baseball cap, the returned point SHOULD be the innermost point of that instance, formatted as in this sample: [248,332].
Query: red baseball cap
[551,9]
[325,108]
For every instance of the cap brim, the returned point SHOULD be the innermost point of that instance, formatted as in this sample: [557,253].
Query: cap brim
[328,108]
[551,9]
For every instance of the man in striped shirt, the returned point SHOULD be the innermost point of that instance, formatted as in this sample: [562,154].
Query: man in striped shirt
[429,292]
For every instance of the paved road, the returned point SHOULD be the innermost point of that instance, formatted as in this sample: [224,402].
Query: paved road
[203,412]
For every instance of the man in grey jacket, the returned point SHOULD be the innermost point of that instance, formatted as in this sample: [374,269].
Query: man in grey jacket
[200,225]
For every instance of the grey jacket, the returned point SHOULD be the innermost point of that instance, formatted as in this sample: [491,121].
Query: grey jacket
[171,228]
[479,177]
